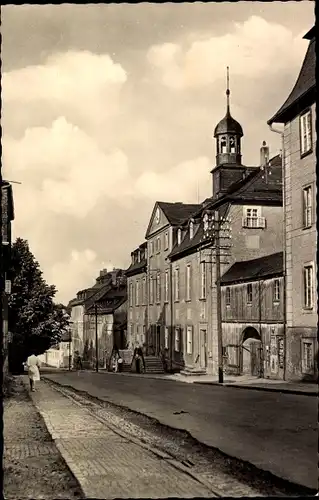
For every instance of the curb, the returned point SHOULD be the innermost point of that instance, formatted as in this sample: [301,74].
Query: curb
[256,388]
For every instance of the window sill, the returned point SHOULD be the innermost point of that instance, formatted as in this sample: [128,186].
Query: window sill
[202,299]
[276,302]
[176,301]
[306,153]
[307,227]
[249,303]
[188,300]
[308,309]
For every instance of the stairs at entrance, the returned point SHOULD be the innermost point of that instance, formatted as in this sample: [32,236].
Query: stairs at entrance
[153,364]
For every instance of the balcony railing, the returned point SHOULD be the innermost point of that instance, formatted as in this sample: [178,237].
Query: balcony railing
[254,222]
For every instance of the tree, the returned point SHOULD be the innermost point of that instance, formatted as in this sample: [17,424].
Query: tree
[34,320]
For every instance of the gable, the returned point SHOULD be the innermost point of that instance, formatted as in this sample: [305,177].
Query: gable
[155,225]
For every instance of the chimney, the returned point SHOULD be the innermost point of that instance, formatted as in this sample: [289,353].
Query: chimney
[264,154]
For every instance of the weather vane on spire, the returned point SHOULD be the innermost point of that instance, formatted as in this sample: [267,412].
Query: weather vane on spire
[227,90]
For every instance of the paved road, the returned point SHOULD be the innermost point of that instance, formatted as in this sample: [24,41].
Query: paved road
[276,432]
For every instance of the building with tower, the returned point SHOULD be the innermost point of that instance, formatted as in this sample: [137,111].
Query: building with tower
[183,326]
[297,121]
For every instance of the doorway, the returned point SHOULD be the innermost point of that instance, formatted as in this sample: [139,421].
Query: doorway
[203,348]
[158,340]
[251,353]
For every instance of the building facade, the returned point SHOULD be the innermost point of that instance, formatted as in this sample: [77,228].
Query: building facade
[253,317]
[137,298]
[7,216]
[298,117]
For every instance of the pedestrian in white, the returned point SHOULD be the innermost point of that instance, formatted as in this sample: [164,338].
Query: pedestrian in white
[33,365]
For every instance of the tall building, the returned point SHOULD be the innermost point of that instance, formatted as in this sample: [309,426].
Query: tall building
[298,117]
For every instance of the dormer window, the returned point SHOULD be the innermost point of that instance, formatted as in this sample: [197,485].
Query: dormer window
[179,236]
[191,230]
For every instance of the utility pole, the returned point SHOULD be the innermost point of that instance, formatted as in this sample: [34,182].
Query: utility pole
[219,301]
[213,226]
[96,340]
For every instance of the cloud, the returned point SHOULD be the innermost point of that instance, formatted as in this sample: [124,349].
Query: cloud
[65,168]
[189,177]
[71,83]
[254,49]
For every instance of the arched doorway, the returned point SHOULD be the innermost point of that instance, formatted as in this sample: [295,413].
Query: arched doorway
[251,352]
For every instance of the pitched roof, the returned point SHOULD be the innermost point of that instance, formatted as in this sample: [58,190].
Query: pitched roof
[256,187]
[177,213]
[306,82]
[117,297]
[250,270]
[136,268]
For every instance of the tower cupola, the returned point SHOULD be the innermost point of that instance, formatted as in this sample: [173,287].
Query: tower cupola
[228,133]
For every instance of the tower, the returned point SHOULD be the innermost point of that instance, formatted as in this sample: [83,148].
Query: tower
[228,134]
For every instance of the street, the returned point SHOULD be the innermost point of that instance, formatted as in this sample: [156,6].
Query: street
[273,431]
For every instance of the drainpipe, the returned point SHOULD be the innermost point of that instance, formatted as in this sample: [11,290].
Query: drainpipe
[172,316]
[285,245]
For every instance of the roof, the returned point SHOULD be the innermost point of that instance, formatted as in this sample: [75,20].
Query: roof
[117,297]
[177,213]
[305,84]
[255,188]
[228,125]
[136,268]
[250,270]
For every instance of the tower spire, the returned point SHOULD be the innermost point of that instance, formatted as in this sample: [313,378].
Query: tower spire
[228,91]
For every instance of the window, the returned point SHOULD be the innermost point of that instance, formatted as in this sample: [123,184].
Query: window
[158,244]
[189,340]
[137,299]
[131,294]
[166,241]
[232,355]
[232,145]
[144,291]
[151,248]
[177,339]
[203,280]
[308,287]
[252,218]
[179,236]
[223,145]
[151,291]
[137,336]
[249,293]
[191,230]
[176,282]
[158,287]
[166,287]
[138,256]
[276,291]
[227,296]
[307,206]
[307,359]
[188,282]
[305,133]
[166,340]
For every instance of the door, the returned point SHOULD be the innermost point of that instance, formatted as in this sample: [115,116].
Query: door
[281,356]
[255,357]
[203,348]
[158,340]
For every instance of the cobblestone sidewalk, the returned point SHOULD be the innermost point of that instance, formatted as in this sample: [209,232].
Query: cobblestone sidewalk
[32,465]
[106,464]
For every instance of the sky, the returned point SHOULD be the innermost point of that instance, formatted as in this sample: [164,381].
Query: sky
[107,108]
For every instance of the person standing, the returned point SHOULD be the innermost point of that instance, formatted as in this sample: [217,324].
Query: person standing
[33,365]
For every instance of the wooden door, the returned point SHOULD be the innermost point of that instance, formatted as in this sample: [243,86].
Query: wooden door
[255,357]
[203,349]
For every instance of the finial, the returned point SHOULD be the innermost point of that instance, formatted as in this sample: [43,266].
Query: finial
[227,90]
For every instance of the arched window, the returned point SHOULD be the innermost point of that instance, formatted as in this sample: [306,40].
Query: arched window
[223,145]
[179,236]
[232,145]
[191,230]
